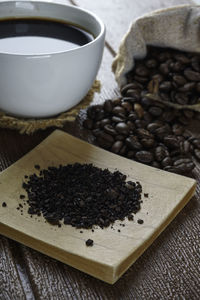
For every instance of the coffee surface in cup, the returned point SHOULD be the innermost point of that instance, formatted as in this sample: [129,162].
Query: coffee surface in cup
[40,36]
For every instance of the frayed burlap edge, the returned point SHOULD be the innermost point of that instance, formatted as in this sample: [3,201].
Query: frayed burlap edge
[29,126]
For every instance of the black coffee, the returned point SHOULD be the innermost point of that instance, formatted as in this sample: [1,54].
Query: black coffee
[37,36]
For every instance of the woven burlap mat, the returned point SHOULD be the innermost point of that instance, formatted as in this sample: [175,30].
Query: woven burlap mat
[29,126]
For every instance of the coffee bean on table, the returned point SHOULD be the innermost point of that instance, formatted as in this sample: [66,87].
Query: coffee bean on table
[144,156]
[143,129]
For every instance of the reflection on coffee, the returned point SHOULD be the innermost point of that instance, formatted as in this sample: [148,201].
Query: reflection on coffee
[40,36]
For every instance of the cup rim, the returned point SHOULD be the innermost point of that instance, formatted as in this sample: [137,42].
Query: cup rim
[46,54]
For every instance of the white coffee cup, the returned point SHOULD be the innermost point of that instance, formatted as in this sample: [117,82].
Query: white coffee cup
[43,85]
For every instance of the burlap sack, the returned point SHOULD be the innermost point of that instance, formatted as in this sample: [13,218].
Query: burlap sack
[177,27]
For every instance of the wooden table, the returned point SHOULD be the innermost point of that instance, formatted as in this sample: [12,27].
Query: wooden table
[169,269]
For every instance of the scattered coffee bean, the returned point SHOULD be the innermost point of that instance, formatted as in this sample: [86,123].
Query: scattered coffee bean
[145,130]
[37,167]
[140,221]
[89,243]
[4,204]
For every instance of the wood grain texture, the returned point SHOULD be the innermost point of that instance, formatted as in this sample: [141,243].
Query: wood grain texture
[10,283]
[173,257]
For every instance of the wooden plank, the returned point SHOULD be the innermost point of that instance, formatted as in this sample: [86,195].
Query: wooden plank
[168,194]
[118,15]
[10,283]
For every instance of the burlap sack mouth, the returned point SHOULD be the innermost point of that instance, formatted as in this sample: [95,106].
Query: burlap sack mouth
[175,27]
[29,126]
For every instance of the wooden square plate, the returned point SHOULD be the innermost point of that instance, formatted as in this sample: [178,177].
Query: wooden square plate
[113,252]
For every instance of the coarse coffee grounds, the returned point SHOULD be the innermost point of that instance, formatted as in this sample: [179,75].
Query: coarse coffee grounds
[89,243]
[146,130]
[82,195]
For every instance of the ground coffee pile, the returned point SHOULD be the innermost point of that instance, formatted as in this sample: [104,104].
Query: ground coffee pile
[82,195]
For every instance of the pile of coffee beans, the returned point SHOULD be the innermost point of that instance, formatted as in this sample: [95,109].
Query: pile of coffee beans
[82,195]
[145,130]
[176,73]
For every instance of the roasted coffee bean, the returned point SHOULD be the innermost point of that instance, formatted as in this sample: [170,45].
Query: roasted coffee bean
[164,68]
[196,143]
[143,133]
[166,162]
[88,124]
[162,131]
[165,86]
[147,117]
[153,126]
[134,95]
[141,79]
[184,166]
[195,64]
[131,154]
[104,122]
[142,71]
[123,150]
[188,113]
[92,110]
[183,120]
[180,80]
[96,124]
[144,156]
[173,169]
[171,141]
[120,137]
[96,132]
[133,143]
[110,129]
[198,87]
[147,142]
[187,87]
[99,115]
[122,128]
[192,75]
[177,129]
[182,161]
[160,153]
[108,106]
[156,164]
[132,116]
[185,147]
[151,63]
[119,111]
[107,137]
[182,58]
[116,119]
[181,98]
[139,110]
[197,153]
[131,86]
[116,147]
[130,125]
[146,102]
[103,143]
[127,106]
[140,123]
[155,111]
